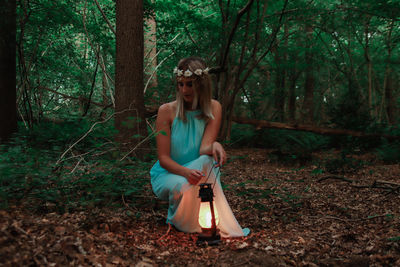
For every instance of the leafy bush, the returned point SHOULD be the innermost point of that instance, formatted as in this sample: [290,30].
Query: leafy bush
[349,111]
[389,152]
[243,135]
[344,163]
[296,146]
[290,145]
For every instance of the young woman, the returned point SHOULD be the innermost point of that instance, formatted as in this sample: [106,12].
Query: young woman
[188,152]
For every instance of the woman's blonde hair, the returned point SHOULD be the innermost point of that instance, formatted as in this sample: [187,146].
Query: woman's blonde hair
[202,89]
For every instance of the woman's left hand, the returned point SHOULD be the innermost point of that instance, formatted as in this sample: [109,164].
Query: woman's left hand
[218,153]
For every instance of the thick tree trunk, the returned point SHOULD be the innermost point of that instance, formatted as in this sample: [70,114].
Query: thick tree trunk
[308,104]
[8,110]
[129,101]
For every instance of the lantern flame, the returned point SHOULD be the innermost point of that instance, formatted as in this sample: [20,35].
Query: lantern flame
[205,215]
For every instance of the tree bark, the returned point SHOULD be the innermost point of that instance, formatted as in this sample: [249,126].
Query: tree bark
[279,92]
[150,46]
[369,66]
[129,101]
[294,75]
[389,99]
[8,99]
[308,104]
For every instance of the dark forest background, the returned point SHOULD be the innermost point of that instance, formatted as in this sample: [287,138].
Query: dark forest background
[295,77]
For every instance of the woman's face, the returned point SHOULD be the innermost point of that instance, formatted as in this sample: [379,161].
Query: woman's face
[186,89]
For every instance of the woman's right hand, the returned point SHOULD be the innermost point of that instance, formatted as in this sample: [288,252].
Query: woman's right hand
[193,176]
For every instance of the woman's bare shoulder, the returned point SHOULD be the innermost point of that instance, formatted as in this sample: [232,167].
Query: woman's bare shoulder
[215,105]
[167,110]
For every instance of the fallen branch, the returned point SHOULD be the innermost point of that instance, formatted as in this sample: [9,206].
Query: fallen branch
[309,128]
[375,184]
[337,177]
[166,234]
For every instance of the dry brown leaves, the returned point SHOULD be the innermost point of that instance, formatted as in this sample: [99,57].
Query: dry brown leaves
[294,221]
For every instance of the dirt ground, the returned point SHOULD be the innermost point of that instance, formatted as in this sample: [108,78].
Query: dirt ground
[298,216]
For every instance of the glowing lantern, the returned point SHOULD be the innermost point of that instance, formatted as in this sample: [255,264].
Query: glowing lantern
[208,217]
[205,216]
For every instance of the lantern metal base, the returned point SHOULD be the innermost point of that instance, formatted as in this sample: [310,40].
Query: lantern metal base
[208,237]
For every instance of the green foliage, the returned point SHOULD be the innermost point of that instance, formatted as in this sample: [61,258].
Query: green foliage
[293,146]
[252,190]
[349,112]
[29,174]
[243,135]
[394,239]
[343,163]
[389,152]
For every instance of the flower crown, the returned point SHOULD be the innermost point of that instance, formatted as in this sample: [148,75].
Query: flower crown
[188,73]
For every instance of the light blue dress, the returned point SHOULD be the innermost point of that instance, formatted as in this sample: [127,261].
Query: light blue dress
[184,202]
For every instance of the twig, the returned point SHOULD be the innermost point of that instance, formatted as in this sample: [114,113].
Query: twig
[123,201]
[76,166]
[103,67]
[86,153]
[137,145]
[149,124]
[336,177]
[154,71]
[105,17]
[86,134]
[375,184]
[350,220]
[22,117]
[166,234]
[151,59]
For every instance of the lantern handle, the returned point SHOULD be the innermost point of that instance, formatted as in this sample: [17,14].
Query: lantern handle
[208,176]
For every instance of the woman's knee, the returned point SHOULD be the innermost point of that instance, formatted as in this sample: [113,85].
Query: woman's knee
[205,159]
[176,191]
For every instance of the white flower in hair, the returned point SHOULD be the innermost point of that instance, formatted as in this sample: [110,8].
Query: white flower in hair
[206,70]
[187,73]
[198,72]
[176,70]
[180,72]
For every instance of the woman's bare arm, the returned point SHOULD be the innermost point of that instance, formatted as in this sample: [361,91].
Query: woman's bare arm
[209,145]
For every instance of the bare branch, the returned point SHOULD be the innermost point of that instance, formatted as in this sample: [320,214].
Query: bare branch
[154,71]
[233,30]
[105,17]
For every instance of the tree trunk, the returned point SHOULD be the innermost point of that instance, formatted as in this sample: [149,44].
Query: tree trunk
[279,92]
[308,104]
[129,101]
[369,66]
[292,94]
[8,110]
[150,47]
[390,101]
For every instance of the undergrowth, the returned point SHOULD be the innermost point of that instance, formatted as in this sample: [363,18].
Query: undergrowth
[297,147]
[90,175]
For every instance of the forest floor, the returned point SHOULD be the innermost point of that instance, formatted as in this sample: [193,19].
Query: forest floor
[298,216]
